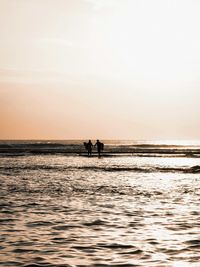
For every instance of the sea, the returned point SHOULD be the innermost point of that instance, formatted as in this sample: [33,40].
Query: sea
[138,204]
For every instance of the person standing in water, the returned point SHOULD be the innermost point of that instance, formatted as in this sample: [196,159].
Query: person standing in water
[88,147]
[100,147]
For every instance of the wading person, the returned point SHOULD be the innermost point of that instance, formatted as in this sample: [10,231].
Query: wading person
[88,147]
[100,147]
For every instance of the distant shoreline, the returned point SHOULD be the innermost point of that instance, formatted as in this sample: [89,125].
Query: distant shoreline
[112,148]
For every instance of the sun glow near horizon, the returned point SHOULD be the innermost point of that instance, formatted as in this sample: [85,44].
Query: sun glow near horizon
[115,69]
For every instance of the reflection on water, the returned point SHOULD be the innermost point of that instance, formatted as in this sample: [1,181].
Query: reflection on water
[122,211]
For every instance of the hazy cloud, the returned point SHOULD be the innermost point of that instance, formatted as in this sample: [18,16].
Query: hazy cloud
[56,41]
[100,4]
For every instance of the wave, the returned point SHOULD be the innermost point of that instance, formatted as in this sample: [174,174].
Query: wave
[193,169]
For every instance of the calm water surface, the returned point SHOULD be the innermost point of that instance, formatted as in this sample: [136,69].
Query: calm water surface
[58,210]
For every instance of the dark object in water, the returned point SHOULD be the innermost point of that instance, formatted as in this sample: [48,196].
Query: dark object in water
[88,146]
[100,147]
[195,168]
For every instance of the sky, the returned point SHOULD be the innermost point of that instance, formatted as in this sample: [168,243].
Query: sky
[107,69]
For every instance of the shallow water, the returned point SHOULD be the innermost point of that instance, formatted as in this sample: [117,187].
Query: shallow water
[58,210]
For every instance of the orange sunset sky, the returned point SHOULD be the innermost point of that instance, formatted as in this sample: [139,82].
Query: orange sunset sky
[109,69]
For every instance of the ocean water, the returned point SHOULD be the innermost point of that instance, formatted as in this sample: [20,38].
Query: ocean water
[137,205]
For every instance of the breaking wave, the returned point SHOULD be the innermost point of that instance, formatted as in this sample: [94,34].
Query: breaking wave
[193,169]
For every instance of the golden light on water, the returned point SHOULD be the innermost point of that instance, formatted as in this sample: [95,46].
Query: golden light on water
[119,209]
[182,264]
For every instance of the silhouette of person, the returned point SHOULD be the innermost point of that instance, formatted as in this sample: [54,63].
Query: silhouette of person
[88,147]
[100,147]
